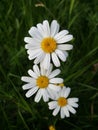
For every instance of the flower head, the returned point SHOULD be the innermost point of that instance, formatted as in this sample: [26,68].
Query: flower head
[43,82]
[51,127]
[63,104]
[47,43]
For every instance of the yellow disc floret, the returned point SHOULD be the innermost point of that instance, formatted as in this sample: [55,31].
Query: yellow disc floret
[51,127]
[48,45]
[42,82]
[62,101]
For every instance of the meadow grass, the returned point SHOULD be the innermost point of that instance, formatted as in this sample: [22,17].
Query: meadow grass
[80,72]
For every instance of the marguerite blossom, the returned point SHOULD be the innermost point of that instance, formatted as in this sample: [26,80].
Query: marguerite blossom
[63,104]
[47,44]
[43,82]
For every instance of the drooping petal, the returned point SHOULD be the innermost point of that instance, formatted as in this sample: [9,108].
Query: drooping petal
[38,96]
[60,54]
[57,109]
[71,109]
[55,59]
[65,109]
[62,114]
[31,92]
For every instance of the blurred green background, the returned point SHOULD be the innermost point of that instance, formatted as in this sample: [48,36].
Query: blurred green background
[80,72]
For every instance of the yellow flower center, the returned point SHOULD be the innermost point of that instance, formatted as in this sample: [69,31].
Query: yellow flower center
[62,101]
[51,127]
[42,81]
[48,44]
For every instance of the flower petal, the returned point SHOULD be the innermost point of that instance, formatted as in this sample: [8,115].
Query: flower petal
[36,70]
[73,104]
[45,95]
[73,100]
[38,96]
[56,80]
[71,109]
[60,54]
[65,39]
[46,61]
[54,87]
[62,114]
[46,28]
[48,72]
[55,59]
[61,34]
[55,112]
[67,92]
[28,86]
[28,79]
[54,73]
[32,74]
[65,47]
[52,94]
[54,28]
[52,105]
[31,92]
[65,109]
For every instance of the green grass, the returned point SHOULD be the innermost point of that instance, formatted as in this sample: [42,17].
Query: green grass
[80,17]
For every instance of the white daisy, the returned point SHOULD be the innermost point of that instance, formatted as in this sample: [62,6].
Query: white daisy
[43,82]
[47,43]
[63,104]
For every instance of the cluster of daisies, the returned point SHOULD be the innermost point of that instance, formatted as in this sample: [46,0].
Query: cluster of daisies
[47,47]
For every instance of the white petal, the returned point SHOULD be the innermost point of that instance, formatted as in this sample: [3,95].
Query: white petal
[55,59]
[73,100]
[28,79]
[60,54]
[65,47]
[31,92]
[28,86]
[40,29]
[54,73]
[46,28]
[67,114]
[61,93]
[61,34]
[42,69]
[54,87]
[52,105]
[46,61]
[31,41]
[35,54]
[56,80]
[36,70]
[67,92]
[62,114]
[39,58]
[32,74]
[49,70]
[52,94]
[73,104]
[57,109]
[38,96]
[65,39]
[54,28]
[71,109]
[45,95]
[35,33]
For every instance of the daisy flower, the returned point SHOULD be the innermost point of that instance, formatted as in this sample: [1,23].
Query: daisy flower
[43,82]
[63,104]
[47,43]
[51,127]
